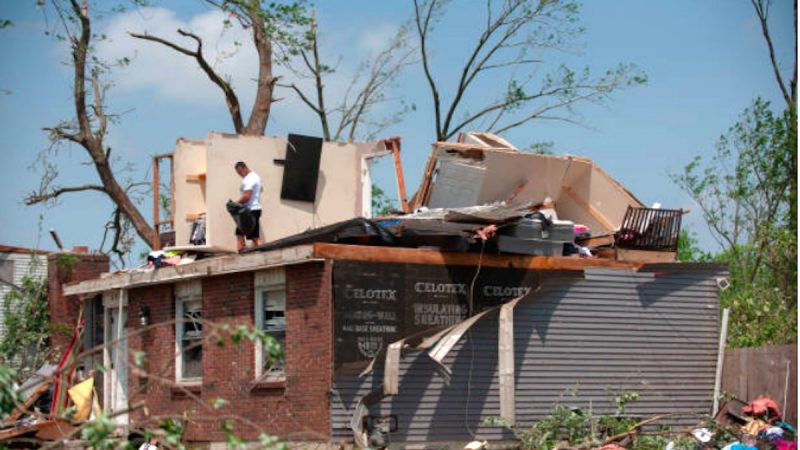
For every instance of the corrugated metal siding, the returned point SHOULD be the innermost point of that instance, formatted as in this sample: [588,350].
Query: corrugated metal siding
[36,265]
[652,333]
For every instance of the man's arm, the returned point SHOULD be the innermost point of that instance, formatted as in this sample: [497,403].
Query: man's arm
[246,197]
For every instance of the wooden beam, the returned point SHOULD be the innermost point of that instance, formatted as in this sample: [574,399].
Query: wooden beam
[172,189]
[196,177]
[596,241]
[20,430]
[505,361]
[588,206]
[645,256]
[28,402]
[156,198]
[421,197]
[435,257]
[398,169]
[163,155]
[199,269]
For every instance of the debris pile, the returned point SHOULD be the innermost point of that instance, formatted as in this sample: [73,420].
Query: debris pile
[738,426]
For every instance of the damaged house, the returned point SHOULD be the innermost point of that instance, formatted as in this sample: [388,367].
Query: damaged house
[413,329]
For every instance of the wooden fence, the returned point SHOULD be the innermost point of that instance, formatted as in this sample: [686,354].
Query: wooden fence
[770,371]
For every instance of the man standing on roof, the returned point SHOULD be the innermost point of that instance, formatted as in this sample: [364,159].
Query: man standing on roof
[251,195]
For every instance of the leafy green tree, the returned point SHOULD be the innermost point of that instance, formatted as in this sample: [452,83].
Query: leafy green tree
[689,250]
[744,193]
[381,204]
[747,193]
[26,318]
[89,127]
[10,396]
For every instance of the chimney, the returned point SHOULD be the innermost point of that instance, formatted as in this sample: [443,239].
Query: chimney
[69,267]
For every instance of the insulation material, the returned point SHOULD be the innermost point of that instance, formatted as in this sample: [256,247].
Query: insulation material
[457,184]
[82,395]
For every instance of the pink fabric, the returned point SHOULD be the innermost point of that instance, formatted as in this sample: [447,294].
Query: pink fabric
[783,444]
[760,406]
[581,228]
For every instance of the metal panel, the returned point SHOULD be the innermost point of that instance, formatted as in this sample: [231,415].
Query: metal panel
[576,342]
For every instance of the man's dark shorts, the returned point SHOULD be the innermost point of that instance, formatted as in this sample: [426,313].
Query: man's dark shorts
[256,230]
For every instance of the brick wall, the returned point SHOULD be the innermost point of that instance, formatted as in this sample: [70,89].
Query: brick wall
[295,410]
[63,268]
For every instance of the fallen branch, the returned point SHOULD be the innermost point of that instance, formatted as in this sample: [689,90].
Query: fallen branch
[634,429]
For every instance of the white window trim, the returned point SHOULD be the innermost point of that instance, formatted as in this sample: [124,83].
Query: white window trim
[184,292]
[272,280]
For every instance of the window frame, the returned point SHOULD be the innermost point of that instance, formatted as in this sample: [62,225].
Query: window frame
[270,280]
[186,292]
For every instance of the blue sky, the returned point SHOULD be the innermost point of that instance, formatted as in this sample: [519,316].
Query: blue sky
[705,61]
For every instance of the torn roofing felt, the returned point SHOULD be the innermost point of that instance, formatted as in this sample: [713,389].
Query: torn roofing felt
[438,342]
[358,230]
[452,229]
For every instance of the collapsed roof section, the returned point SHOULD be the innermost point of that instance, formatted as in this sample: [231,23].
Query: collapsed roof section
[483,169]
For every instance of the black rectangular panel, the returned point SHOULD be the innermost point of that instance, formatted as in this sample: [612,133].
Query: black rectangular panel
[301,169]
[377,304]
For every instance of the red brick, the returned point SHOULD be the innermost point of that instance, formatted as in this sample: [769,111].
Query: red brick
[63,268]
[298,411]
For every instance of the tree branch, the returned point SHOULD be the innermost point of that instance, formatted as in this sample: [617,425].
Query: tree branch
[80,47]
[43,197]
[99,112]
[468,72]
[762,11]
[58,132]
[303,97]
[231,100]
[422,31]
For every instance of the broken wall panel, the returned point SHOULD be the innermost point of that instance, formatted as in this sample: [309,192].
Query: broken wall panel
[338,194]
[582,192]
[654,333]
[190,191]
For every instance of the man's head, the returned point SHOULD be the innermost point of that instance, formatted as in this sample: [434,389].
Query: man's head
[241,168]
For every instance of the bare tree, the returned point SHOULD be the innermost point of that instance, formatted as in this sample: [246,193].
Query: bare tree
[366,90]
[88,129]
[272,24]
[512,31]
[789,92]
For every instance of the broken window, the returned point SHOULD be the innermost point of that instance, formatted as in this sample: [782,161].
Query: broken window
[7,271]
[189,330]
[270,317]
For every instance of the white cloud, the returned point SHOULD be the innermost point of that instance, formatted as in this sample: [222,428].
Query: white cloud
[374,39]
[170,73]
[156,68]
